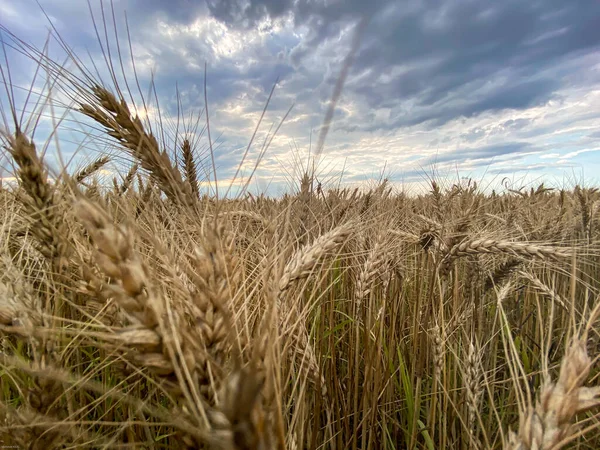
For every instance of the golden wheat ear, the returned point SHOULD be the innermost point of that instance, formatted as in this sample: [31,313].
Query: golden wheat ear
[238,421]
[115,117]
[91,169]
[550,423]
[39,203]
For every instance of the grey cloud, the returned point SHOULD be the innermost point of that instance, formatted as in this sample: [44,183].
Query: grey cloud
[486,153]
[515,96]
[456,58]
[468,41]
[516,124]
[181,11]
[474,135]
[247,13]
[518,95]
[526,168]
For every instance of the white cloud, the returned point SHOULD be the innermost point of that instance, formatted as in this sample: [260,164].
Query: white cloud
[550,156]
[579,152]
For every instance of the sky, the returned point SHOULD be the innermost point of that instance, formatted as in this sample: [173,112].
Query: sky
[506,93]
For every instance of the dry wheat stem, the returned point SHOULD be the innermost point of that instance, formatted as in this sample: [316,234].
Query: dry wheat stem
[474,390]
[128,181]
[135,294]
[189,165]
[300,265]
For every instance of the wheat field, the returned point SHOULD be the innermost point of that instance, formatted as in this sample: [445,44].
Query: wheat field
[149,312]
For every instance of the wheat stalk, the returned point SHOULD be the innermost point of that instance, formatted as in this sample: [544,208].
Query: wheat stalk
[472,380]
[128,181]
[540,286]
[133,290]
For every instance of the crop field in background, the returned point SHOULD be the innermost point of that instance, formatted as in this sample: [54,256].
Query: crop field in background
[146,313]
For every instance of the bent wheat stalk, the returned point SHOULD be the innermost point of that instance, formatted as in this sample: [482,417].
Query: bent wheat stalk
[475,246]
[143,304]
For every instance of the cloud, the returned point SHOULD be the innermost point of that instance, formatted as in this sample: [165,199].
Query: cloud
[550,156]
[454,83]
[486,153]
[528,168]
[579,152]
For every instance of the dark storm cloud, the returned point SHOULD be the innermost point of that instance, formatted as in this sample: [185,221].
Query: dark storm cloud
[456,58]
[247,13]
[446,45]
[519,95]
[180,11]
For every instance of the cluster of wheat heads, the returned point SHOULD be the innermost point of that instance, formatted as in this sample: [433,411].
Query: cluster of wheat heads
[152,314]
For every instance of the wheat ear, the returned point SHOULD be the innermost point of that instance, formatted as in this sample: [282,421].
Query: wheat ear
[523,249]
[300,266]
[115,117]
[128,180]
[370,269]
[91,169]
[131,288]
[304,260]
[189,164]
[41,204]
[550,423]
